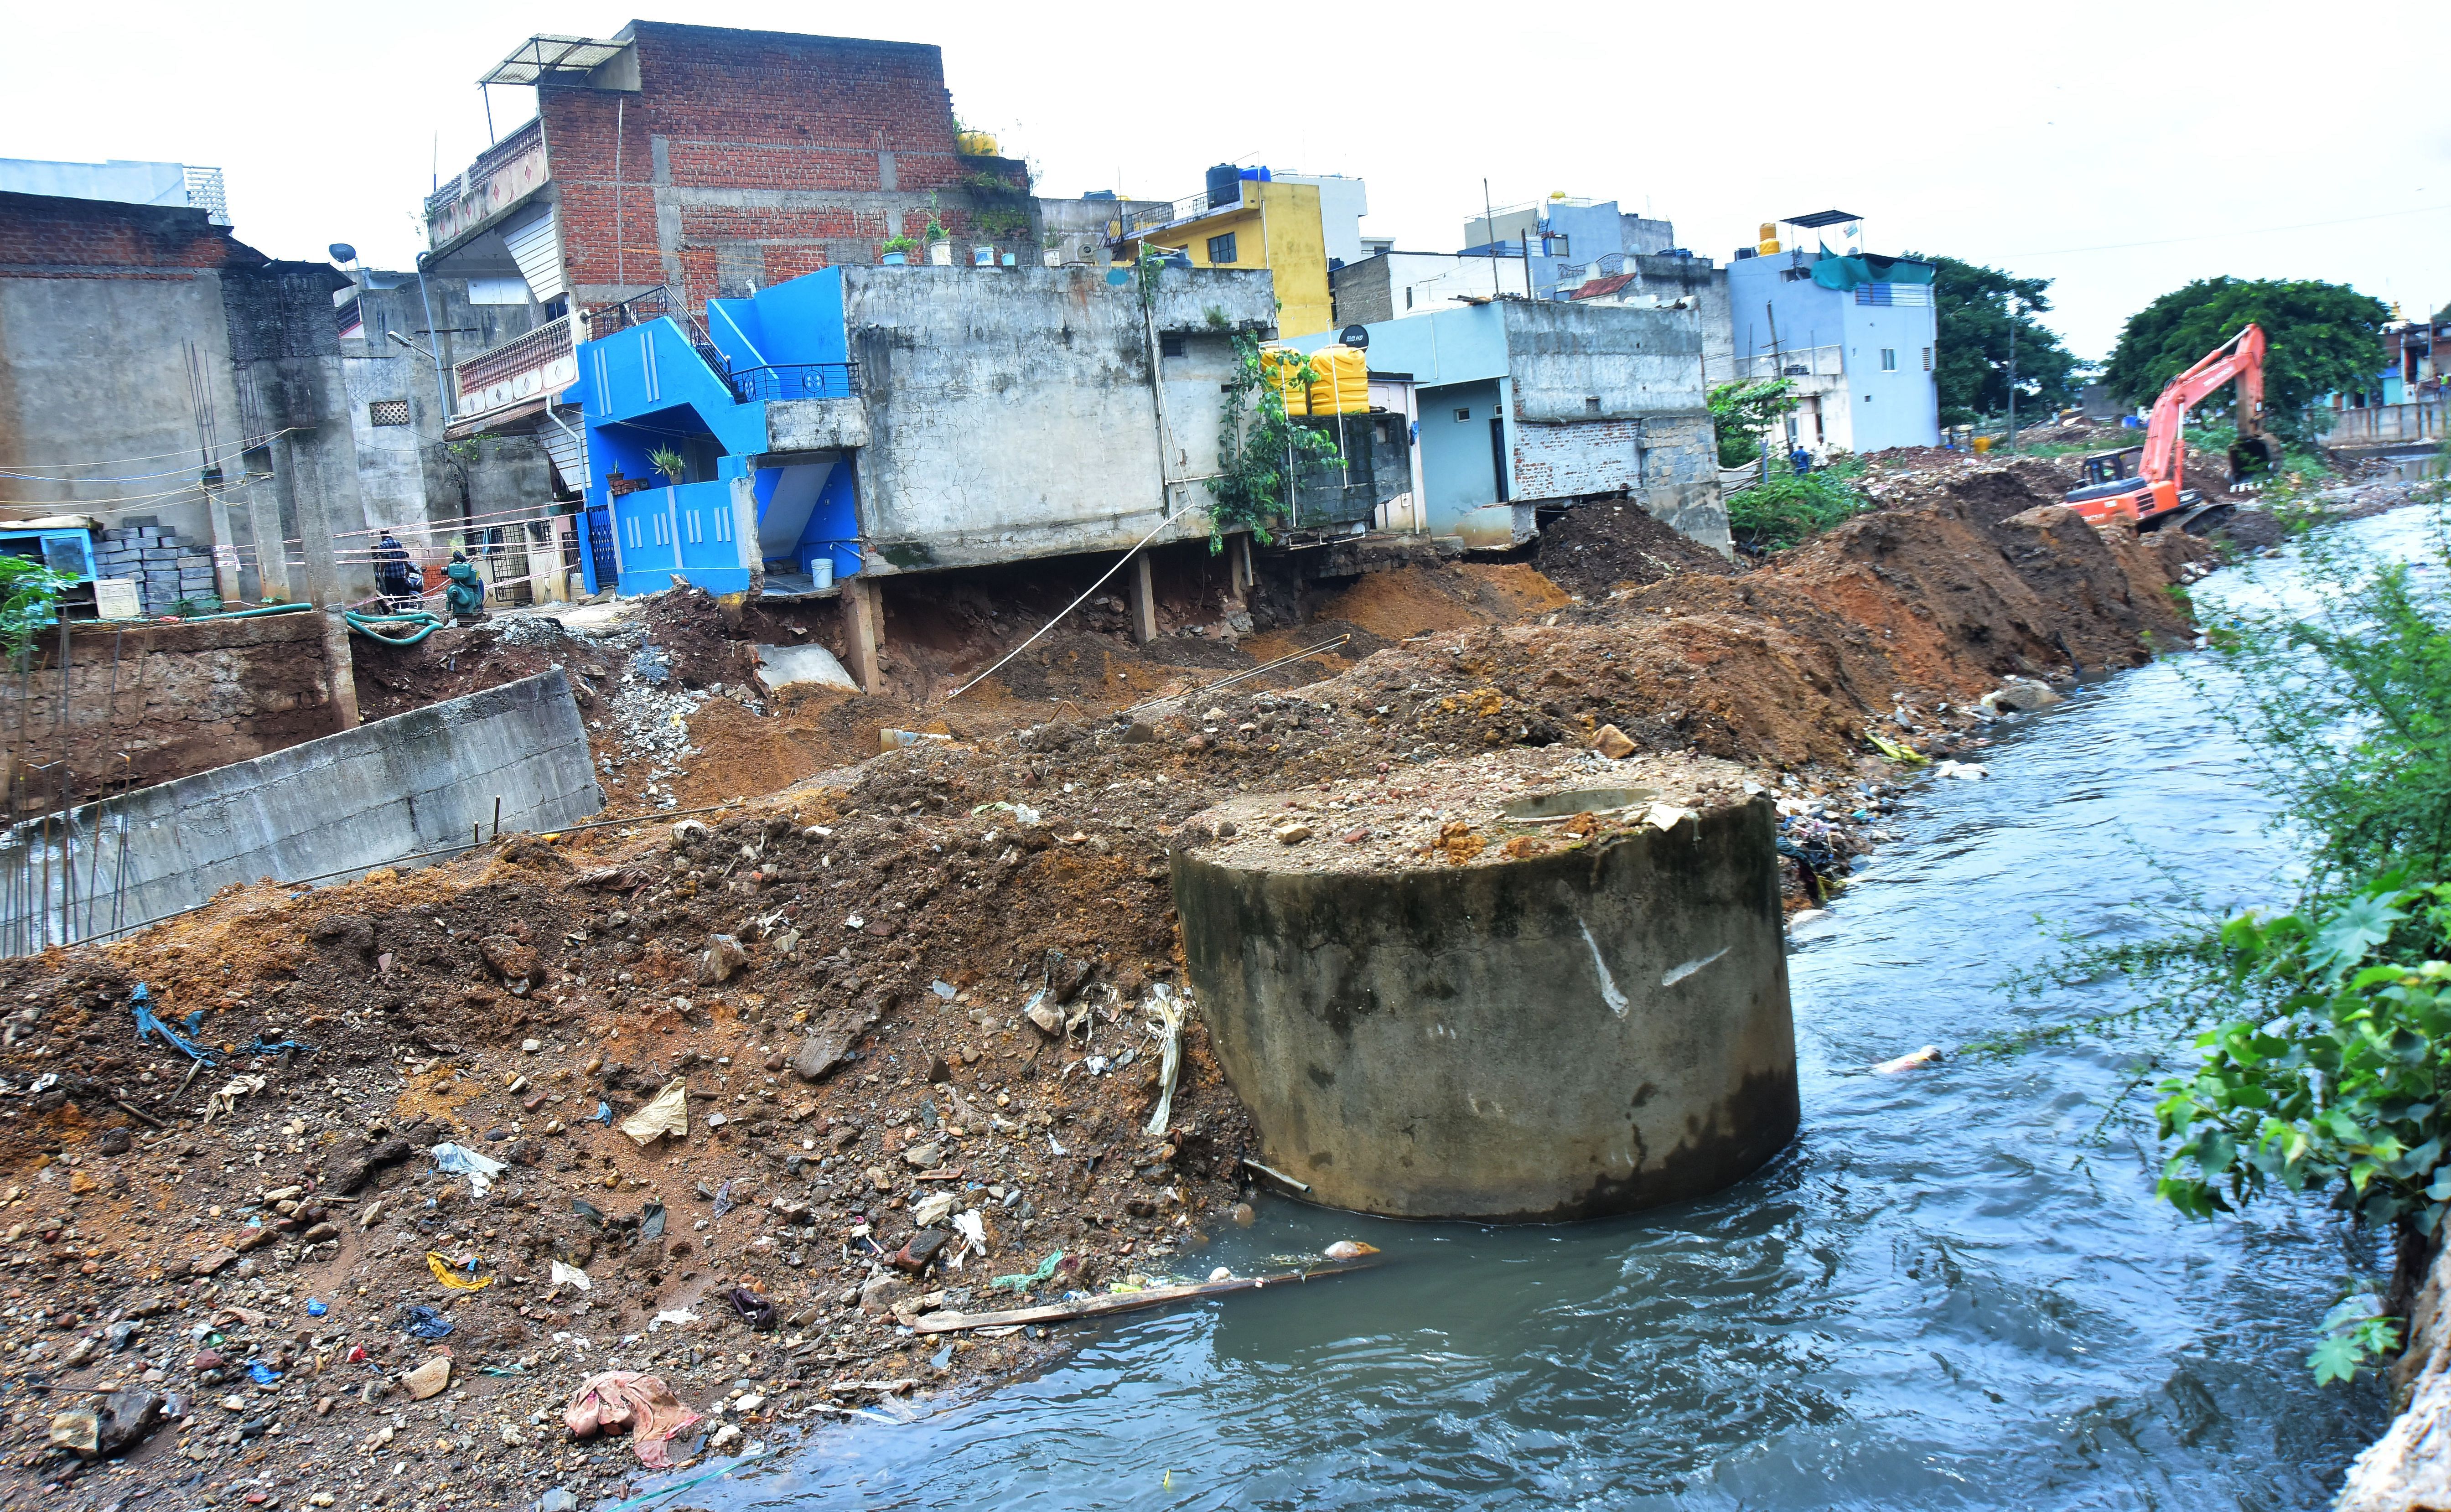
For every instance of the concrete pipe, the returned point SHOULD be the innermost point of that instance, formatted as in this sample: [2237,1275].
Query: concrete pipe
[1492,1014]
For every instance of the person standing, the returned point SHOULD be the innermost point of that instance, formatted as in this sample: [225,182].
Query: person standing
[1800,459]
[393,579]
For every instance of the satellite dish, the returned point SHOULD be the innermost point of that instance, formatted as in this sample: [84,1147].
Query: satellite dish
[342,252]
[1355,336]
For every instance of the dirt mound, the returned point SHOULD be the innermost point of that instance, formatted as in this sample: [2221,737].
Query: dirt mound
[689,633]
[453,663]
[1594,548]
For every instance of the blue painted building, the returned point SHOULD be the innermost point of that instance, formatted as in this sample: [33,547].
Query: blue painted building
[742,507]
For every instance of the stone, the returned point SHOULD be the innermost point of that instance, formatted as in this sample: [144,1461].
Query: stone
[204,1265]
[123,1333]
[505,955]
[82,1352]
[80,1432]
[722,959]
[531,1045]
[934,1209]
[429,1379]
[920,1251]
[121,1422]
[2021,696]
[1048,1020]
[880,1292]
[924,1157]
[560,1498]
[82,1182]
[827,1044]
[1294,833]
[114,1142]
[1612,743]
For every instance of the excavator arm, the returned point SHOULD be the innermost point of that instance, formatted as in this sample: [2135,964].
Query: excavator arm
[2241,358]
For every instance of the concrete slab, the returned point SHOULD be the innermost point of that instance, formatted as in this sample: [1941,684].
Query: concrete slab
[786,666]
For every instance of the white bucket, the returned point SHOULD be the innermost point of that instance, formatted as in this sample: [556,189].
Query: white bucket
[821,571]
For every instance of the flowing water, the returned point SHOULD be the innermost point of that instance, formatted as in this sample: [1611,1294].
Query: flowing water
[1948,1292]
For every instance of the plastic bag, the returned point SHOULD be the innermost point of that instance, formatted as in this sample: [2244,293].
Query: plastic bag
[480,1169]
[666,1114]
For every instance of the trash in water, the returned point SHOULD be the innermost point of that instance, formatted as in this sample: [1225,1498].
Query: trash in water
[666,1114]
[1349,1250]
[480,1169]
[262,1374]
[571,1275]
[1926,1057]
[451,1276]
[1968,771]
[427,1323]
[651,1221]
[1044,1273]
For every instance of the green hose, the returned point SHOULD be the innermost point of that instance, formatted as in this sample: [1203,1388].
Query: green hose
[364,624]
[300,607]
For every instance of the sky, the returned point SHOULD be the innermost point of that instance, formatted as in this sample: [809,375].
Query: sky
[2118,149]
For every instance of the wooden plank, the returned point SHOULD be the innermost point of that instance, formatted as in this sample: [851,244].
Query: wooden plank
[1120,1300]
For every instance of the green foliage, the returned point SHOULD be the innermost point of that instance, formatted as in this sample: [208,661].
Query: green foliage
[1784,510]
[1260,448]
[2323,338]
[1743,413]
[998,223]
[899,244]
[1973,312]
[30,596]
[669,463]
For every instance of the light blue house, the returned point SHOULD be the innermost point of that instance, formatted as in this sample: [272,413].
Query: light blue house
[761,405]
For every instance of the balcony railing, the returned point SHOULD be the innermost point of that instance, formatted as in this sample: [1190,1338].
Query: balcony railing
[784,380]
[1174,212]
[535,362]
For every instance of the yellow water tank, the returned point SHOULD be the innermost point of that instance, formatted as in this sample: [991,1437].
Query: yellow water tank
[1280,368]
[1768,247]
[1340,381]
[975,144]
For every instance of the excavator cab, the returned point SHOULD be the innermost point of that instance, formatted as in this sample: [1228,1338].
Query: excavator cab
[2115,466]
[2115,484]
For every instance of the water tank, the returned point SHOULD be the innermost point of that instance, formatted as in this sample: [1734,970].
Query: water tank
[1225,184]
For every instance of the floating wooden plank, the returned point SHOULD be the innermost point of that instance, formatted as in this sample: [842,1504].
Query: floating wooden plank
[1119,1301]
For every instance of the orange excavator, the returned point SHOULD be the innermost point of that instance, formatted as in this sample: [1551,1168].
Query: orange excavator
[2144,483]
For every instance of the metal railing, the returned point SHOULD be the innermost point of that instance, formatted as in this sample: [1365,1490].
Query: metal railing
[523,353]
[1174,212]
[785,381]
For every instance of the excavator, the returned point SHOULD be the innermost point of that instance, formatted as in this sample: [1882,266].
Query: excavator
[2144,483]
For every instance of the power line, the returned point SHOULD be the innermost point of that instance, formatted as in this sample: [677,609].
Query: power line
[2215,236]
[246,444]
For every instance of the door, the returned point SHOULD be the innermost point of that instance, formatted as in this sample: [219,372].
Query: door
[1498,468]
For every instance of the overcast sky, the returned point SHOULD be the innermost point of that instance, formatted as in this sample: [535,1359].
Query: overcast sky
[2120,149]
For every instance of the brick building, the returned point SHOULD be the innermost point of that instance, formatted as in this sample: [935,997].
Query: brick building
[669,164]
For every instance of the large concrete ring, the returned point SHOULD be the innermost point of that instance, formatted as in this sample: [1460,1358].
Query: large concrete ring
[1560,1037]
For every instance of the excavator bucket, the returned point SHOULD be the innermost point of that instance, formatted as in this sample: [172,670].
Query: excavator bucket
[2253,456]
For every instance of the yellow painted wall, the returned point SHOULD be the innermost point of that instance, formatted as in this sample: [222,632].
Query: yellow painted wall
[1277,227]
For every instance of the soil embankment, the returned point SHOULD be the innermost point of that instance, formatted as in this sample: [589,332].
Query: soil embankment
[929,976]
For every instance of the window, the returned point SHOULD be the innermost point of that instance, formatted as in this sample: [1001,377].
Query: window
[1463,415]
[1927,359]
[1889,358]
[1221,248]
[1169,343]
[387,412]
[1591,403]
[1408,296]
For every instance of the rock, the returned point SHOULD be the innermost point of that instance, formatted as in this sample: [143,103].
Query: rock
[123,1333]
[1242,1214]
[82,1182]
[843,1137]
[120,1424]
[921,1250]
[204,1265]
[1612,743]
[880,1293]
[561,1498]
[531,1045]
[1294,833]
[2021,696]
[429,1379]
[114,1142]
[1139,732]
[934,1209]
[722,959]
[79,1433]
[724,1435]
[924,1157]
[354,1174]
[827,1044]
[82,1352]
[506,955]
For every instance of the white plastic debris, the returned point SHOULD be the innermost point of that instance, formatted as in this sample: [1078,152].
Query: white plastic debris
[1166,1014]
[666,1114]
[675,1316]
[480,1169]
[1928,1055]
[571,1275]
[1965,770]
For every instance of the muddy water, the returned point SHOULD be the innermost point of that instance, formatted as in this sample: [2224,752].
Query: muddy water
[1942,1296]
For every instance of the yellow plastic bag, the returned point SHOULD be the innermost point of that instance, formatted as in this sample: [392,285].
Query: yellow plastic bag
[451,1276]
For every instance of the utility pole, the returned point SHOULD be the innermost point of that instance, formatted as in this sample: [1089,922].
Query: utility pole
[1489,229]
[2013,375]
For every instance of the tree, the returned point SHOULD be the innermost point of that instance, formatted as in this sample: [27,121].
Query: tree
[1975,309]
[1741,413]
[2322,338]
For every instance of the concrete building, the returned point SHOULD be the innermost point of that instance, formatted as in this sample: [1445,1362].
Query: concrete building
[857,424]
[1078,230]
[138,331]
[1387,285]
[1654,279]
[1561,238]
[177,186]
[1855,335]
[1259,220]
[1526,405]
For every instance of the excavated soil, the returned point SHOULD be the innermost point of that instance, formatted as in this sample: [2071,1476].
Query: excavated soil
[889,922]
[1600,547]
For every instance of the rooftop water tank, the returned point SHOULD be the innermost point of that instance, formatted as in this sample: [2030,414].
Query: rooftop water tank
[1225,184]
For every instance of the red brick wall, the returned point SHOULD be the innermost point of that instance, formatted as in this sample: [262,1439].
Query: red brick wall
[769,113]
[38,230]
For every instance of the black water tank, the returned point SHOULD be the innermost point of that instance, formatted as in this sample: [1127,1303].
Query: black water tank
[1224,186]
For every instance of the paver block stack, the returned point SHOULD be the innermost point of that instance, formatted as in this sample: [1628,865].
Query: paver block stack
[164,568]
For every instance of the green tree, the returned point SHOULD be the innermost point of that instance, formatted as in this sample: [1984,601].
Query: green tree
[1742,412]
[1975,308]
[2322,338]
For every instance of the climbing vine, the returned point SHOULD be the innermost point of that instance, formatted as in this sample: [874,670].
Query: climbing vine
[1259,447]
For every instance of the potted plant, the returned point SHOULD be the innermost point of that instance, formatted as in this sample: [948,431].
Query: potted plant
[669,463]
[898,250]
[940,242]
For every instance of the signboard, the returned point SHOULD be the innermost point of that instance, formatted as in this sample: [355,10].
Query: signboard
[117,598]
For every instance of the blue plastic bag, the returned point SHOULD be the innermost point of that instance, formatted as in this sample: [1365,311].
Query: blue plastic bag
[262,1374]
[424,1323]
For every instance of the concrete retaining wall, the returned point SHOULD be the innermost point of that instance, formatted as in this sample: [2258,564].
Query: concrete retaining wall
[1575,1034]
[359,799]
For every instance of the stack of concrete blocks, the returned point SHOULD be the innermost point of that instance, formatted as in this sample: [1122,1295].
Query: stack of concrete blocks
[165,569]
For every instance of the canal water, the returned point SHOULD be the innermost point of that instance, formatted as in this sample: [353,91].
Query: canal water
[1955,1289]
